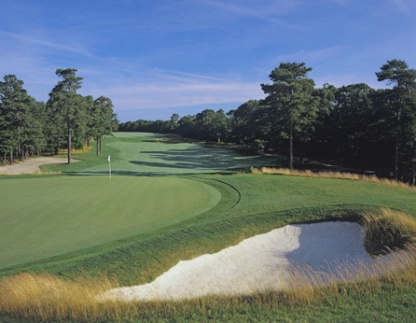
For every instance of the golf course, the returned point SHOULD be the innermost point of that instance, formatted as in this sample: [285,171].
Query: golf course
[148,202]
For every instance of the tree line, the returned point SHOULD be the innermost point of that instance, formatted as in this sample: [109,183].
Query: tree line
[354,126]
[67,120]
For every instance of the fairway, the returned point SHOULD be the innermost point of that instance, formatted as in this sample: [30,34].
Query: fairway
[47,216]
[151,154]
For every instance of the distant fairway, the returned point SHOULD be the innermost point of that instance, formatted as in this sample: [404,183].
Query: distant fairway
[51,215]
[150,154]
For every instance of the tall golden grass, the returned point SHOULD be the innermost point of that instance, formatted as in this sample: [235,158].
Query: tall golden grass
[48,298]
[389,233]
[84,149]
[45,298]
[306,285]
[388,230]
[33,173]
[329,174]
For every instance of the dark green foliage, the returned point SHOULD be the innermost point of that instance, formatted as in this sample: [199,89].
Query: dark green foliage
[68,104]
[292,103]
[14,117]
[354,127]
[29,127]
[402,107]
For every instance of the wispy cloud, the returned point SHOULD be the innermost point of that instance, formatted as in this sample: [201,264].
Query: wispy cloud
[310,56]
[342,3]
[175,90]
[402,5]
[256,9]
[72,48]
[267,10]
[164,55]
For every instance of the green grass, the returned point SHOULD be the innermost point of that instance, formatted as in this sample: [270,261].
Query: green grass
[59,214]
[152,155]
[142,250]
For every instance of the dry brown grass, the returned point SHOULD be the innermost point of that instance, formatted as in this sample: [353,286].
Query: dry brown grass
[388,230]
[46,298]
[84,150]
[32,173]
[329,174]
[307,285]
[391,235]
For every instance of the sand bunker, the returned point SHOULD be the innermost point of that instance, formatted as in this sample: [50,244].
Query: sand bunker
[263,263]
[30,166]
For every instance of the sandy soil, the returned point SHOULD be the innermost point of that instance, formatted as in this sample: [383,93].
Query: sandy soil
[264,262]
[31,166]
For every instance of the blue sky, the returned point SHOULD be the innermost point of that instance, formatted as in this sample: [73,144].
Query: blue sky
[156,58]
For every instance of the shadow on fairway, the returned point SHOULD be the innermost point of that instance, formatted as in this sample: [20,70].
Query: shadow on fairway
[195,158]
[179,160]
[133,173]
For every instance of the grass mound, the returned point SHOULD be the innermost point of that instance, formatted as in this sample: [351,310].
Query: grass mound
[388,230]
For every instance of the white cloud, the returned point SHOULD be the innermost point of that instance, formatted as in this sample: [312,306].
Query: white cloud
[402,5]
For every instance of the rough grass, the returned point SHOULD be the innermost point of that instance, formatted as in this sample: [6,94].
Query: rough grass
[48,298]
[388,230]
[84,150]
[329,174]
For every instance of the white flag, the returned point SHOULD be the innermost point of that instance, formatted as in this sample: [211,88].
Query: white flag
[109,160]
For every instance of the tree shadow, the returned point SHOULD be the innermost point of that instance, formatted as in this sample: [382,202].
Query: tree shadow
[197,158]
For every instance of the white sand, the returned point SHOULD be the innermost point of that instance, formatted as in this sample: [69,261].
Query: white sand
[261,263]
[31,165]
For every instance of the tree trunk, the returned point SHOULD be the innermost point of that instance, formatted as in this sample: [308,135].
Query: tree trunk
[397,144]
[69,142]
[19,148]
[97,148]
[396,161]
[291,145]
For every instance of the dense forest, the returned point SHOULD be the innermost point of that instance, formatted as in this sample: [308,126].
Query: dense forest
[353,126]
[67,120]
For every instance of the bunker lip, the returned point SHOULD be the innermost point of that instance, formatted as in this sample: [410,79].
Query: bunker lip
[266,262]
[31,166]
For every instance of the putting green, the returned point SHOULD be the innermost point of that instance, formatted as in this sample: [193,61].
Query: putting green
[51,215]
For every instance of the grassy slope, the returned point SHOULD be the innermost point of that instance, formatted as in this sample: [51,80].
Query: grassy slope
[251,204]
